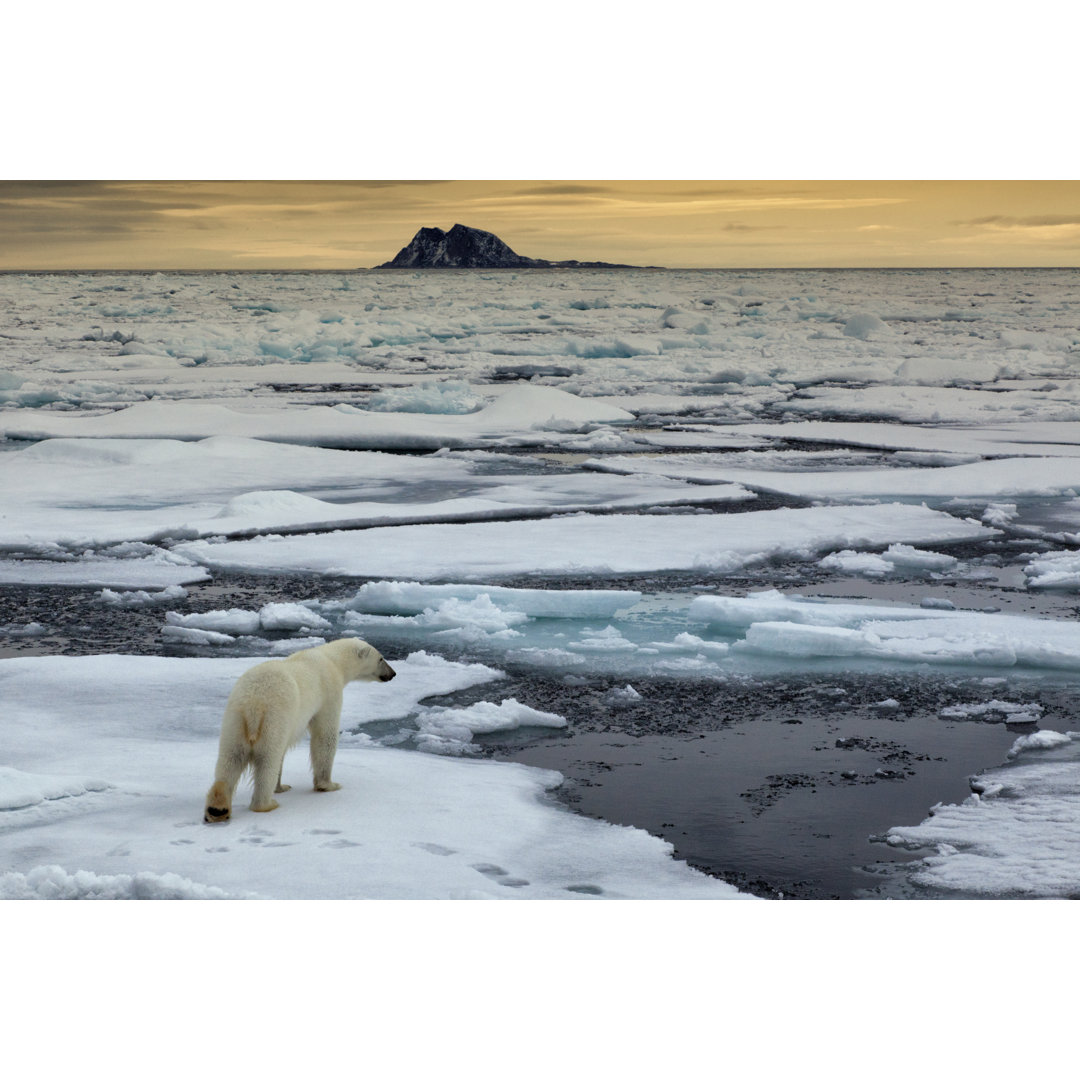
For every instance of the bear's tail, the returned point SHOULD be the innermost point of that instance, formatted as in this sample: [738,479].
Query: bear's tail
[253,719]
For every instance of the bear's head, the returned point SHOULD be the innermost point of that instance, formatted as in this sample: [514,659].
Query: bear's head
[362,662]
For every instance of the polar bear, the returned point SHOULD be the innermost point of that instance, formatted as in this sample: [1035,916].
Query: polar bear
[271,706]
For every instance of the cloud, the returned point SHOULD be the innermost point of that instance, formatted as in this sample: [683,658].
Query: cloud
[567,189]
[1038,221]
[739,226]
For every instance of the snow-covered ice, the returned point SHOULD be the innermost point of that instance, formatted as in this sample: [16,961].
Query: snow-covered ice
[586,544]
[129,745]
[777,624]
[1017,834]
[514,417]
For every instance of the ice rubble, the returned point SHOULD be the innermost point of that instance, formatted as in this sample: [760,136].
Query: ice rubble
[404,825]
[140,598]
[621,632]
[895,558]
[1054,570]
[452,396]
[995,711]
[450,731]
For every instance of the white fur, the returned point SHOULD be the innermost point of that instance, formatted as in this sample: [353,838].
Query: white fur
[270,708]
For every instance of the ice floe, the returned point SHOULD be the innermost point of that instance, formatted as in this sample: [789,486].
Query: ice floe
[77,494]
[588,544]
[994,479]
[1054,570]
[512,417]
[1017,835]
[802,628]
[404,825]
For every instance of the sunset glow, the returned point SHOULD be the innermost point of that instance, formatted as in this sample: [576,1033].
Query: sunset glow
[327,225]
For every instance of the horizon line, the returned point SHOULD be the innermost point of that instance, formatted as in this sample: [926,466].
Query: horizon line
[490,269]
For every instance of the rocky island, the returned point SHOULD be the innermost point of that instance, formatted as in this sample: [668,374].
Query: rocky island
[474,249]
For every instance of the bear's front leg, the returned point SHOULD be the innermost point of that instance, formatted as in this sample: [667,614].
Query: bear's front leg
[324,740]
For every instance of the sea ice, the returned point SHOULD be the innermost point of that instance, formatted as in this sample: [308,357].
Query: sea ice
[518,410]
[896,557]
[1019,476]
[1017,836]
[412,597]
[1054,570]
[95,571]
[179,409]
[450,731]
[588,544]
[403,826]
[76,494]
[800,628]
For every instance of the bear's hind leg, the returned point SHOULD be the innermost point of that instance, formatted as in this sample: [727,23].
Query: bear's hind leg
[280,786]
[267,768]
[226,776]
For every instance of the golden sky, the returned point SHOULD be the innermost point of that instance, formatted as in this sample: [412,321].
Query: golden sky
[239,224]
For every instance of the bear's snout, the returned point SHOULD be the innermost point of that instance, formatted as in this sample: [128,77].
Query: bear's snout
[386,672]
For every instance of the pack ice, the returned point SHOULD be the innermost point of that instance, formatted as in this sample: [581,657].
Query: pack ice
[480,455]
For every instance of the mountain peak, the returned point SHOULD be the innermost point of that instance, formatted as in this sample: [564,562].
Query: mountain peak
[464,247]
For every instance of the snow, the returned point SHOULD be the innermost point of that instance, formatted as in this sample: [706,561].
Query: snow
[19,790]
[55,883]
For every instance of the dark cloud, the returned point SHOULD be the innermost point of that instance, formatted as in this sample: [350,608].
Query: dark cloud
[1031,222]
[36,189]
[567,189]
